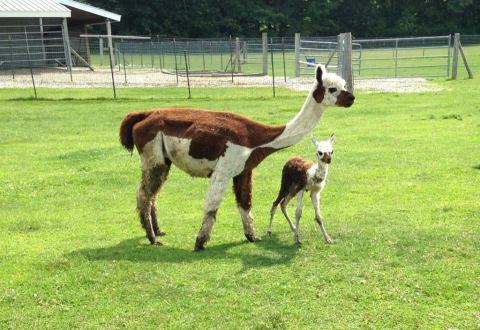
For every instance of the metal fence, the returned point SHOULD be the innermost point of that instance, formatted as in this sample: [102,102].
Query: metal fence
[403,57]
[31,45]
[169,62]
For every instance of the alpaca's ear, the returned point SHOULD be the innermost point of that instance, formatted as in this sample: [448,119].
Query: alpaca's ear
[320,70]
[314,141]
[332,138]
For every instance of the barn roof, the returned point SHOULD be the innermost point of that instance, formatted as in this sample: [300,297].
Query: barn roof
[76,11]
[32,8]
[82,11]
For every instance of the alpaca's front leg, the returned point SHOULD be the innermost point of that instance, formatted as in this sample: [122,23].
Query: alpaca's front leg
[243,187]
[216,191]
[315,195]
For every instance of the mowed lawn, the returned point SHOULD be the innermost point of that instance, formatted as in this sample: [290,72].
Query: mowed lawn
[402,204]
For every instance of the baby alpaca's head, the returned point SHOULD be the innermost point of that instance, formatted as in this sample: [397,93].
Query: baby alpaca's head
[324,149]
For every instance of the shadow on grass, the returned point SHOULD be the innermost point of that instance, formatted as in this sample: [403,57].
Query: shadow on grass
[265,253]
[477,167]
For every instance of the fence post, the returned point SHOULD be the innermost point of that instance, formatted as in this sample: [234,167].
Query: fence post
[340,54]
[11,56]
[237,54]
[124,67]
[456,46]
[283,58]
[66,42]
[345,59]
[186,70]
[396,58]
[273,66]
[265,53]
[297,54]
[100,45]
[203,54]
[30,62]
[231,56]
[110,56]
[175,55]
[152,59]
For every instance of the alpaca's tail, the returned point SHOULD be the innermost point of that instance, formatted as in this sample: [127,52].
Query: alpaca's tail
[126,136]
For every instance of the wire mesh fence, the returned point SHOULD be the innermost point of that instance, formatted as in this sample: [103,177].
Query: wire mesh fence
[29,56]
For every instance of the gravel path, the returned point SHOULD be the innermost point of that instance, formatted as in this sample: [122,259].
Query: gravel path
[83,78]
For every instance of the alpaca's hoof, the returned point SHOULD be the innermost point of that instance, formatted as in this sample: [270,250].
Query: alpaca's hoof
[156,243]
[298,243]
[200,244]
[252,238]
[269,233]
[328,240]
[161,233]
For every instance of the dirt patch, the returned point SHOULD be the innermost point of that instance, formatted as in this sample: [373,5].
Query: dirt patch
[84,78]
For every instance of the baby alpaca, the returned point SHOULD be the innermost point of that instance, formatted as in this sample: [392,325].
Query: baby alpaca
[300,175]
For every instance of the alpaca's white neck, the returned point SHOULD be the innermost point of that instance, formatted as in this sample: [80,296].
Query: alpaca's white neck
[302,124]
[322,170]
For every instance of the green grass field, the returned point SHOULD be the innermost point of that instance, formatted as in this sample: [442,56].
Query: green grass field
[402,204]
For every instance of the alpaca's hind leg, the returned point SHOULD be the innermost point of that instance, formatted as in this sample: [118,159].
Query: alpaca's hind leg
[316,205]
[272,214]
[216,190]
[160,172]
[149,186]
[243,186]
[283,207]
[298,215]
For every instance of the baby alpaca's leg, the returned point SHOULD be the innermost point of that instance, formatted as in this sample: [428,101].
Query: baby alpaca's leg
[298,215]
[316,204]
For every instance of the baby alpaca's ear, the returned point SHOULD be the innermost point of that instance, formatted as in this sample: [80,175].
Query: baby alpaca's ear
[332,138]
[319,71]
[314,141]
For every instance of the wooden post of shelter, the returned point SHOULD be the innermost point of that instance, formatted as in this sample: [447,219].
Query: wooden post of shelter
[110,42]
[66,42]
[87,47]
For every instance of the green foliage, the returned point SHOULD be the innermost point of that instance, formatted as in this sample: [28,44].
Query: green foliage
[401,203]
[364,18]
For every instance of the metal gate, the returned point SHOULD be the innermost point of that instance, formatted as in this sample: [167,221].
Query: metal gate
[24,46]
[404,57]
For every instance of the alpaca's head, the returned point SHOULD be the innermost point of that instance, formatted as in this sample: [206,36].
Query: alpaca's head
[324,149]
[330,89]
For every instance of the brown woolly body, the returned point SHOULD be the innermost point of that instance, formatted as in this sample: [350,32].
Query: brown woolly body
[209,131]
[294,178]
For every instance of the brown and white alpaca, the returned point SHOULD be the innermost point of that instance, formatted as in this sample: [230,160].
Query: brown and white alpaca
[217,145]
[300,175]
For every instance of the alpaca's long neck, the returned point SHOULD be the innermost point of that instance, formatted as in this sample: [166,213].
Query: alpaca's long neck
[322,170]
[302,124]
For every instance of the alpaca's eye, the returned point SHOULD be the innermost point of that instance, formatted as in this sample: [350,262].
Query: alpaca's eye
[320,153]
[332,90]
